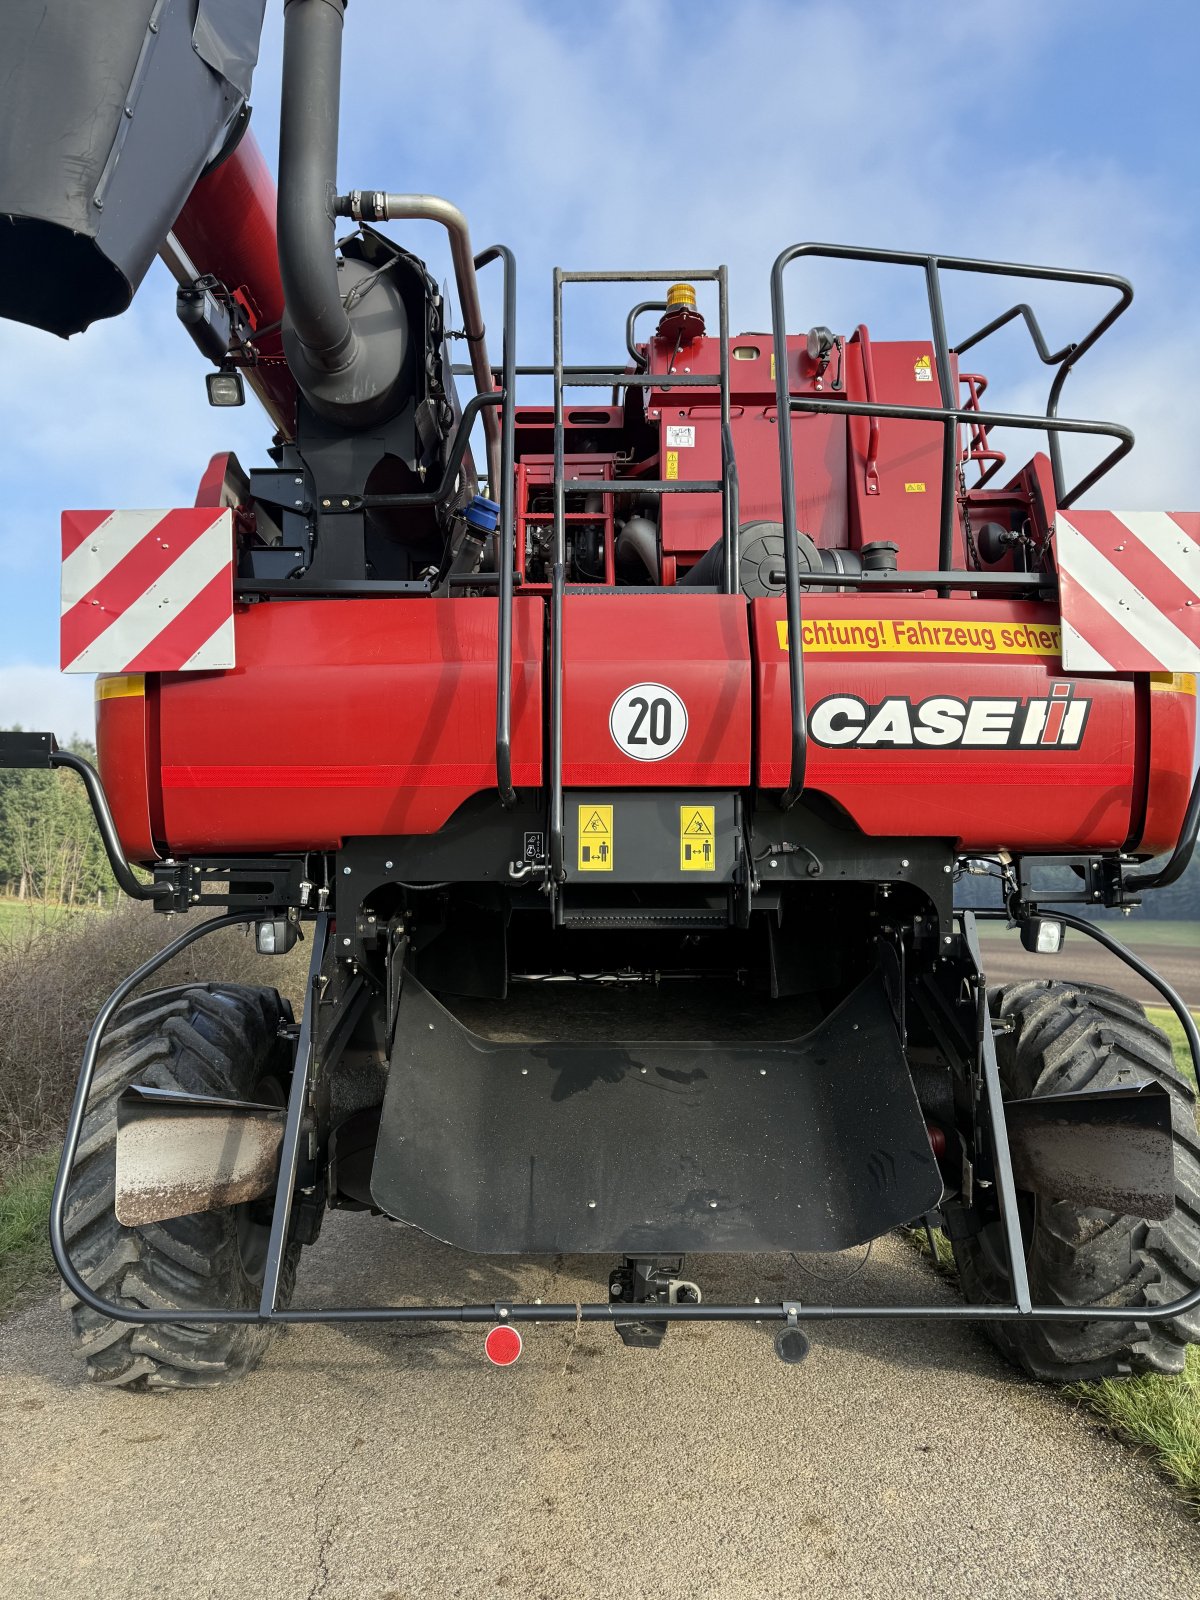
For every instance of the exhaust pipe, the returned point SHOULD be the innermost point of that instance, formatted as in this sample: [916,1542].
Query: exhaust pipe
[347,378]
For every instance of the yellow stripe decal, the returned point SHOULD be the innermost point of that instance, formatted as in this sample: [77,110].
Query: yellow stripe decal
[1174,682]
[120,685]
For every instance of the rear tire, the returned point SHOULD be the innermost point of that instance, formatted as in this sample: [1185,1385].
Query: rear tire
[219,1039]
[1070,1037]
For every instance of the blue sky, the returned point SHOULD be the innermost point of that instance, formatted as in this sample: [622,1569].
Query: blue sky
[641,135]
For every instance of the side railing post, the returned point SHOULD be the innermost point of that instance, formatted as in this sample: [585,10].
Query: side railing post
[504,491]
[1006,1186]
[289,1154]
[791,553]
[558,583]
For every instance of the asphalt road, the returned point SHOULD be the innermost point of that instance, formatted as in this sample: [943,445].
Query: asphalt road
[899,1460]
[1083,960]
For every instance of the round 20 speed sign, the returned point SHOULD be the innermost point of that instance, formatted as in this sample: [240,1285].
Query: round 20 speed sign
[648,722]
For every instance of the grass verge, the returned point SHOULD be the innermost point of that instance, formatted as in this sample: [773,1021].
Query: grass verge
[25,1264]
[1159,1416]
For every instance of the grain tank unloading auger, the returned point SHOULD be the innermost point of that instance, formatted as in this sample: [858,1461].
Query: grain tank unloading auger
[498,756]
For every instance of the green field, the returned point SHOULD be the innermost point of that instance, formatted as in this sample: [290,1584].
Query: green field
[17,916]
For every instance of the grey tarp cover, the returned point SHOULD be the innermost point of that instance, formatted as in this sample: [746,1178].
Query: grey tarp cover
[226,37]
[105,125]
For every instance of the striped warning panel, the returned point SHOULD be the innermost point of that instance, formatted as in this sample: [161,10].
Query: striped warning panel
[1130,590]
[147,591]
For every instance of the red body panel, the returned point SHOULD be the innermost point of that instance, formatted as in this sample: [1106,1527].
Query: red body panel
[227,227]
[927,717]
[1043,797]
[696,645]
[343,717]
[1172,698]
[403,694]
[125,752]
[900,499]
[851,487]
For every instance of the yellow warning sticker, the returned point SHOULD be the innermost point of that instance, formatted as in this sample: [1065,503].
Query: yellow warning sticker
[595,838]
[672,463]
[772,366]
[697,842]
[923,370]
[864,636]
[914,488]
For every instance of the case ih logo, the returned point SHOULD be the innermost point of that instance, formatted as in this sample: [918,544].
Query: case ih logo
[943,721]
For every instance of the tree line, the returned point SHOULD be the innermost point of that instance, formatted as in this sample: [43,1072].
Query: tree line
[50,847]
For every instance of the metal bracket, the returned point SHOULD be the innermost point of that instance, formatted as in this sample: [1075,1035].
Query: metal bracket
[1099,880]
[792,1344]
[268,883]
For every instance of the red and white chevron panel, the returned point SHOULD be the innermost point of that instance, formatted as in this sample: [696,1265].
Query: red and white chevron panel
[147,591]
[1130,590]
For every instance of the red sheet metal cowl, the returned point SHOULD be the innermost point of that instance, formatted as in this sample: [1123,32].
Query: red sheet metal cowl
[227,228]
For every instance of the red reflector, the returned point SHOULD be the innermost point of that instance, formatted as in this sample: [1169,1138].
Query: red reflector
[502,1346]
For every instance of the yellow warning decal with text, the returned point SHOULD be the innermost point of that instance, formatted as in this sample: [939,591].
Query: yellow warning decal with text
[697,839]
[595,838]
[914,488]
[864,636]
[672,463]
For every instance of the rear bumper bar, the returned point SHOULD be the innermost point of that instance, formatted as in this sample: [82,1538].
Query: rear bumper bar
[784,1312]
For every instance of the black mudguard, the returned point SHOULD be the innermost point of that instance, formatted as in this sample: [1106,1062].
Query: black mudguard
[815,1144]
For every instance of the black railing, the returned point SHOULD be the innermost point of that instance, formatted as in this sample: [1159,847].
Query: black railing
[950,416]
[505,398]
[618,377]
[308,1064]
[505,492]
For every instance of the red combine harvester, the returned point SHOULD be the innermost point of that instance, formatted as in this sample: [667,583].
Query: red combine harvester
[682,733]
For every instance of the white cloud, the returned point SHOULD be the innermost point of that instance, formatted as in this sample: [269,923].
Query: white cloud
[115,417]
[45,700]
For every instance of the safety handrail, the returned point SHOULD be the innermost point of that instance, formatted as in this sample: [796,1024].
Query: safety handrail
[978,449]
[638,357]
[950,416]
[1177,863]
[593,377]
[19,749]
[505,492]
[871,475]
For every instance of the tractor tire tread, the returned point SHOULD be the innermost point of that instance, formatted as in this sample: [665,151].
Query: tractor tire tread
[1069,1037]
[206,1038]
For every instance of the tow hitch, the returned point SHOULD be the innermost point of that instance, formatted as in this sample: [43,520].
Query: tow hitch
[649,1280]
